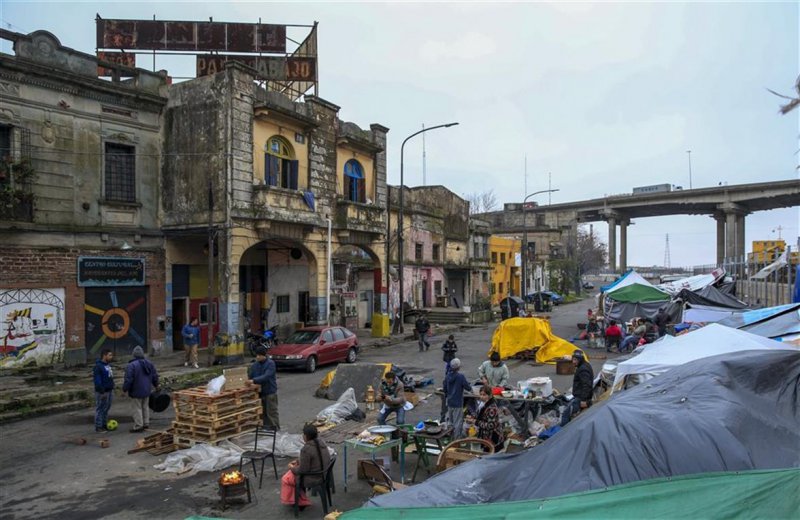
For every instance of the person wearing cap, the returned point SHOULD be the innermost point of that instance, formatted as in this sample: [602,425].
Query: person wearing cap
[493,371]
[263,373]
[141,377]
[455,384]
[582,386]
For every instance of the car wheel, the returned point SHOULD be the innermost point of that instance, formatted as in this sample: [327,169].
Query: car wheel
[352,355]
[311,364]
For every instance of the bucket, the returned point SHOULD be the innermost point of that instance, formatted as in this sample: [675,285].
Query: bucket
[159,401]
[564,367]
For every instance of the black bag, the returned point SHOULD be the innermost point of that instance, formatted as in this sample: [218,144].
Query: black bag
[159,401]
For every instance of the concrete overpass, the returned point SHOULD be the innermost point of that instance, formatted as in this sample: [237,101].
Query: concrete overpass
[728,205]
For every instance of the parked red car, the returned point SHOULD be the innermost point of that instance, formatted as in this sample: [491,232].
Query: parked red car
[313,346]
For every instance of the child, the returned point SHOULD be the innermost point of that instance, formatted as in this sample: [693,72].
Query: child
[449,348]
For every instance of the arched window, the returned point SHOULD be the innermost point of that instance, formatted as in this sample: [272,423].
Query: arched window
[354,181]
[280,166]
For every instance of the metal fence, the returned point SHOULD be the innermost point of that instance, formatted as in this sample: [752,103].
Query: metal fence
[765,289]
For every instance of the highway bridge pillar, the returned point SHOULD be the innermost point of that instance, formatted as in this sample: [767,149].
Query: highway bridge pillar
[720,218]
[623,245]
[612,244]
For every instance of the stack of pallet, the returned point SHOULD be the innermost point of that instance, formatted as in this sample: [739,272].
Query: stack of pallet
[200,417]
[156,444]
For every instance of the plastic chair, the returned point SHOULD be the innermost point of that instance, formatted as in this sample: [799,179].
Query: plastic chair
[325,488]
[262,455]
[462,450]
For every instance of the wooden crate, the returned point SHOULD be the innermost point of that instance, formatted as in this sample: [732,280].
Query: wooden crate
[200,417]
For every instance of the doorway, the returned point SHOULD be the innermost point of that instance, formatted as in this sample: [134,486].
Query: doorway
[180,308]
[303,310]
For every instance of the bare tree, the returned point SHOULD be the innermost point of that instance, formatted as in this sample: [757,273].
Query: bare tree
[482,202]
[794,102]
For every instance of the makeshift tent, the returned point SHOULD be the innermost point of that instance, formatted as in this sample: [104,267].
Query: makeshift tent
[724,413]
[780,323]
[693,283]
[712,340]
[518,334]
[712,297]
[633,288]
[758,494]
[706,314]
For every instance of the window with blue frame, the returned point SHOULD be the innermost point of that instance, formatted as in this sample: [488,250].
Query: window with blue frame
[280,166]
[354,181]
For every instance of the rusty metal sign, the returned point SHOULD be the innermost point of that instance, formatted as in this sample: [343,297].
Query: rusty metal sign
[190,36]
[270,68]
[119,58]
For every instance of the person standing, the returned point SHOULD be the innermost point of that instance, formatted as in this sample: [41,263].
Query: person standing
[449,348]
[393,398]
[263,372]
[191,341]
[423,327]
[493,371]
[140,379]
[103,389]
[662,320]
[455,384]
[582,385]
[488,421]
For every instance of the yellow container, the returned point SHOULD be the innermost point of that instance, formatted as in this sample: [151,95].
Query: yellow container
[380,326]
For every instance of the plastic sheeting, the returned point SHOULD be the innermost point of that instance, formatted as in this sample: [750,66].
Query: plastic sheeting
[693,283]
[622,312]
[515,335]
[773,322]
[201,457]
[633,288]
[725,413]
[708,341]
[341,409]
[756,494]
[711,297]
[706,314]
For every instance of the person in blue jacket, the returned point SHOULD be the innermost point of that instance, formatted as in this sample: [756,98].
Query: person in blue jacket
[191,341]
[103,389]
[140,379]
[262,372]
[455,384]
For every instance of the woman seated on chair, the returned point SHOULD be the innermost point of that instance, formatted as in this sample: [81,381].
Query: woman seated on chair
[314,456]
[488,422]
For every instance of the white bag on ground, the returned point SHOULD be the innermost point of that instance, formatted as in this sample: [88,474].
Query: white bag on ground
[201,457]
[214,386]
[337,412]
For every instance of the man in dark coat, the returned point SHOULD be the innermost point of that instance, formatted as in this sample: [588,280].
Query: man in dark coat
[423,327]
[140,379]
[582,385]
[662,320]
[263,372]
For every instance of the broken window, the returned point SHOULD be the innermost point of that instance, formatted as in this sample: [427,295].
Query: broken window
[354,181]
[418,252]
[120,175]
[280,167]
[435,252]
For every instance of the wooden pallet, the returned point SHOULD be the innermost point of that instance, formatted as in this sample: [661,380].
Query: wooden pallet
[187,441]
[245,418]
[198,397]
[156,444]
[218,421]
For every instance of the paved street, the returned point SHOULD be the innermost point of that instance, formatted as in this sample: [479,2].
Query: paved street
[44,476]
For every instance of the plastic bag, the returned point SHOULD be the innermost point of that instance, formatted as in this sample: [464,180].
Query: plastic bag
[214,386]
[337,412]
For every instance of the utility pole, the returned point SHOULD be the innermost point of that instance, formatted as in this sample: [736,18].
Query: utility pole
[526,174]
[667,260]
[689,153]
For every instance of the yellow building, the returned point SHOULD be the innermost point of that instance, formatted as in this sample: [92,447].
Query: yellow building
[766,251]
[505,271]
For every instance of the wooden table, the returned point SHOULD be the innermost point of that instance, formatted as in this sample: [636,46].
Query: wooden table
[372,449]
[420,440]
[533,406]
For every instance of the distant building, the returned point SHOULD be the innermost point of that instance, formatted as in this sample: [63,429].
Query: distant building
[504,259]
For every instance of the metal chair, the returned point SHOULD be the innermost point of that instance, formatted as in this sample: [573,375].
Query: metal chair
[262,455]
[325,488]
[377,477]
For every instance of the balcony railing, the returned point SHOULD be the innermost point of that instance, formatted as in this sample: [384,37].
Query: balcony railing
[357,216]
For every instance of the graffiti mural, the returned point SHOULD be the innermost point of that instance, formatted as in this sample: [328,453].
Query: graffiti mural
[31,327]
[115,318]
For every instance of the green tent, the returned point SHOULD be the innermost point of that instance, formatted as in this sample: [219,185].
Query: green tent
[638,293]
[748,494]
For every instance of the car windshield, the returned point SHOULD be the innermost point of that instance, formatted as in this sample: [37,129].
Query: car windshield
[303,337]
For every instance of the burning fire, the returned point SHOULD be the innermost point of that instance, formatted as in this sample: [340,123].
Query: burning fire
[231,478]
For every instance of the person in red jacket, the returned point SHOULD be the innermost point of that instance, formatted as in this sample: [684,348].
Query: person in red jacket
[613,335]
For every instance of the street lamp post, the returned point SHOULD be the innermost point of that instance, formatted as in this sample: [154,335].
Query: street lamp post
[400,249]
[525,241]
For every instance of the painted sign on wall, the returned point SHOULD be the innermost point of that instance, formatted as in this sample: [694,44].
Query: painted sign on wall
[115,318]
[31,327]
[105,271]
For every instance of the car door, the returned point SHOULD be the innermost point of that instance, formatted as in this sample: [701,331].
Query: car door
[326,350]
[341,344]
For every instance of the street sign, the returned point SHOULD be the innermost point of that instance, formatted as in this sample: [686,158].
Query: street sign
[271,68]
[105,271]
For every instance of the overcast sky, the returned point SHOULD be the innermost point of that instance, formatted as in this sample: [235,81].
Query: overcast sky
[604,96]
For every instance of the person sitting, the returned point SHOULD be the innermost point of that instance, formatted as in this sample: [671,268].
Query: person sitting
[314,456]
[613,335]
[393,397]
[488,421]
[493,371]
[592,332]
[582,387]
[632,341]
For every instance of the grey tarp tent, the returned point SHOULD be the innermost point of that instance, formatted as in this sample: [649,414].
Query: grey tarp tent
[723,413]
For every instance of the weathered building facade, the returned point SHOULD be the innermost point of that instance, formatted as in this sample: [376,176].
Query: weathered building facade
[82,265]
[505,260]
[441,268]
[265,178]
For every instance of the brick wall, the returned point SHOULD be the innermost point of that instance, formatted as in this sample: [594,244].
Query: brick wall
[28,268]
